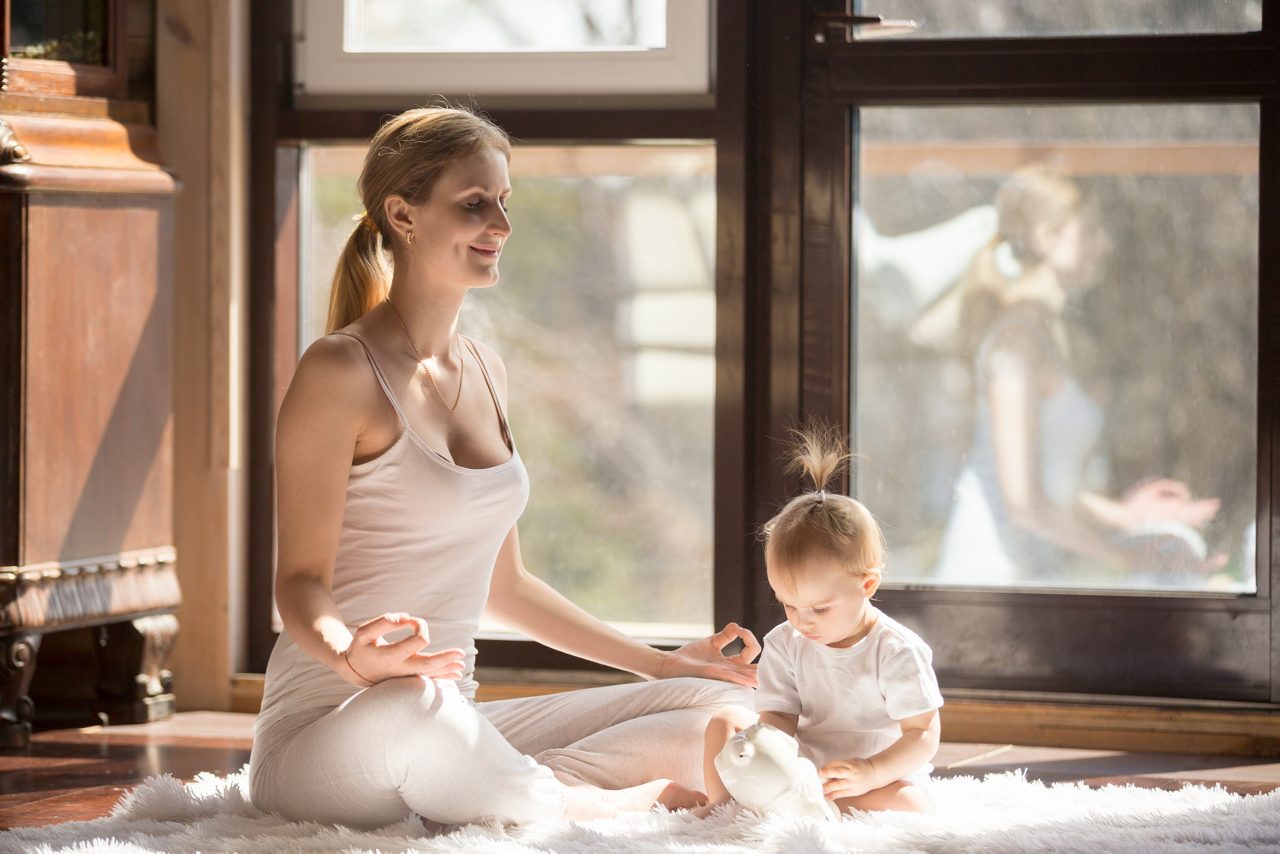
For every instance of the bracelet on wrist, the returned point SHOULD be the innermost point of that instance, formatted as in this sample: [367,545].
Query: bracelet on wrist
[346,656]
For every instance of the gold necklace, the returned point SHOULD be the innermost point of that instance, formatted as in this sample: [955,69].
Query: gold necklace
[462,363]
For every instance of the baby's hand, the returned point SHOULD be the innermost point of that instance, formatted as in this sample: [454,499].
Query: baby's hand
[847,778]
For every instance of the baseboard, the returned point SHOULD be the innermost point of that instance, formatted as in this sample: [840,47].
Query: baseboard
[246,692]
[1131,724]
[1244,729]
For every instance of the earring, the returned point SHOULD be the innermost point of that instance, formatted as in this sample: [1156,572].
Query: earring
[408,238]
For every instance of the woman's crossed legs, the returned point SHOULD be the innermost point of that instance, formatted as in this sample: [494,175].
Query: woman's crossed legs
[413,744]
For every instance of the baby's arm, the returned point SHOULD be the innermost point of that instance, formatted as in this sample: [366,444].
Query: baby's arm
[781,720]
[724,725]
[847,778]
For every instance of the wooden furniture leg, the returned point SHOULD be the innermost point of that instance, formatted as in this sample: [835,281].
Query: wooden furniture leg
[17,664]
[133,684]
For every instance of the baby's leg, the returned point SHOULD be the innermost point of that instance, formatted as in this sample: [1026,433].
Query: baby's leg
[724,725]
[902,795]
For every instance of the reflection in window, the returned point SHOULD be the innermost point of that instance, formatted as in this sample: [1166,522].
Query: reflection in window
[463,26]
[1013,18]
[64,30]
[605,316]
[1056,343]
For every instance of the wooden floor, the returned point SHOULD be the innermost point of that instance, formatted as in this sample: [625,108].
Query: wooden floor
[69,775]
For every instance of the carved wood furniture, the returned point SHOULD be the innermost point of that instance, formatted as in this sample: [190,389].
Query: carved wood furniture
[87,565]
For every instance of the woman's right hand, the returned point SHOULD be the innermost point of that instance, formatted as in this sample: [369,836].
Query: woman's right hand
[1167,500]
[370,658]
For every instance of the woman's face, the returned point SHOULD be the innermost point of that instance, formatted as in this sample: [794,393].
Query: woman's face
[824,601]
[460,230]
[1062,247]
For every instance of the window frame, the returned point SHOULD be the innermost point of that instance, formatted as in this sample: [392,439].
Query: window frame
[838,79]
[278,125]
[324,68]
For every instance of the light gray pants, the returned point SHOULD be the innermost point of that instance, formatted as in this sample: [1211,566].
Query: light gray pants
[415,744]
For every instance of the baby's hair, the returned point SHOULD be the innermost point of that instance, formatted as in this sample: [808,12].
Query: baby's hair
[818,523]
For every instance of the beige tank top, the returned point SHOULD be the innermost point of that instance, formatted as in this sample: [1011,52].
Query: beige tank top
[420,534]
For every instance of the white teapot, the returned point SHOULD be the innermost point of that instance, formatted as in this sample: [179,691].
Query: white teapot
[762,769]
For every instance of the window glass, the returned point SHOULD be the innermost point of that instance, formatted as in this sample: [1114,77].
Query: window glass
[460,26]
[66,30]
[1013,18]
[605,316]
[1056,343]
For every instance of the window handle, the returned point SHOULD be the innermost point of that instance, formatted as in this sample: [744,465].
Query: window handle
[822,22]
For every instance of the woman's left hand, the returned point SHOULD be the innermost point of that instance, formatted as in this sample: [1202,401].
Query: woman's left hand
[706,658]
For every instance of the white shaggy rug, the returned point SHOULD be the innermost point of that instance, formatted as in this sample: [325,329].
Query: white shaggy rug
[1002,813]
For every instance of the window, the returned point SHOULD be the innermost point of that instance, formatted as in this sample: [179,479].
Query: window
[605,315]
[607,286]
[1068,241]
[1139,359]
[503,47]
[1015,18]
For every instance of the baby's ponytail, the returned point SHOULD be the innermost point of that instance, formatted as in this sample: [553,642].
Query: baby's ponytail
[817,452]
[821,524]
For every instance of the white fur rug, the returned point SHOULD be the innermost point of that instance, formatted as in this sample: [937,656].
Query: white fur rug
[1002,813]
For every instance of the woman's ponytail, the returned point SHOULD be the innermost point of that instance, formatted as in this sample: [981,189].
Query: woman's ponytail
[361,279]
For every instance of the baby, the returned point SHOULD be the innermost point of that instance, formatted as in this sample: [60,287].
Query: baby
[856,688]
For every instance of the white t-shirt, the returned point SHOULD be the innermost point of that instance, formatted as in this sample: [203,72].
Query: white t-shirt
[849,700]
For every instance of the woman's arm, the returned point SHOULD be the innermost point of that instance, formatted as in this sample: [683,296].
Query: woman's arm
[320,422]
[1015,428]
[526,603]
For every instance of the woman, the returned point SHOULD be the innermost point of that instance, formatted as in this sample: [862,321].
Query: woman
[398,489]
[1024,510]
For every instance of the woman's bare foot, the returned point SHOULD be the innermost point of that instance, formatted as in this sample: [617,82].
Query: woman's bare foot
[586,801]
[677,797]
[707,808]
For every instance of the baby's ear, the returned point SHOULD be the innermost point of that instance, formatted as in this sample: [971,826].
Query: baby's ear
[871,581]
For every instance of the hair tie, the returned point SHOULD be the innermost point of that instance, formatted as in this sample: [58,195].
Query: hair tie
[822,496]
[365,221]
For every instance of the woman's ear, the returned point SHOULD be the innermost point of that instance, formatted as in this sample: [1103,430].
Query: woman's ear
[400,215]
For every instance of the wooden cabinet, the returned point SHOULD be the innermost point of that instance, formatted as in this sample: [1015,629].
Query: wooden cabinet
[86,427]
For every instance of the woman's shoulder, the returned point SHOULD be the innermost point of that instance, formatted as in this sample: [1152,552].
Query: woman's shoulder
[492,361]
[333,373]
[334,357]
[1023,332]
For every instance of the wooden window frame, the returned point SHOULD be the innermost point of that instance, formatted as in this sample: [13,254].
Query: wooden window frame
[276,130]
[1115,69]
[679,68]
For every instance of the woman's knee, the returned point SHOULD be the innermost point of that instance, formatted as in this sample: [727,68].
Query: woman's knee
[713,694]
[394,700]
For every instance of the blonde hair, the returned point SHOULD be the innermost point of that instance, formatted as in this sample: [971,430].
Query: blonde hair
[406,158]
[1032,198]
[818,523]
